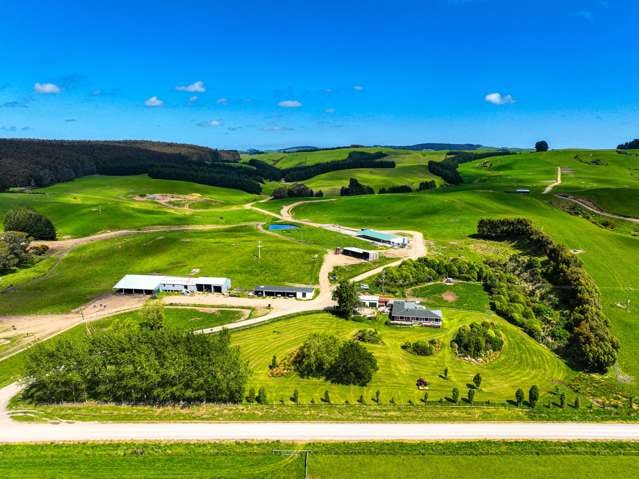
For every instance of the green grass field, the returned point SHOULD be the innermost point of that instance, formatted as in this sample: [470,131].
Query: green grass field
[449,217]
[490,460]
[522,363]
[465,296]
[93,269]
[100,203]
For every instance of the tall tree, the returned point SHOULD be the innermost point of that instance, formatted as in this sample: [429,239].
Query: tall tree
[347,299]
[541,146]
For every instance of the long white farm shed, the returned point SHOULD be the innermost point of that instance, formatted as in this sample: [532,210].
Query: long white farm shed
[153,284]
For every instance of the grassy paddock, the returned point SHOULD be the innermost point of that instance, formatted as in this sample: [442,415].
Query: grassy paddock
[326,460]
[93,269]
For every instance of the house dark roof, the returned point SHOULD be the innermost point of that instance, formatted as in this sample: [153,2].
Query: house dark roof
[286,289]
[411,309]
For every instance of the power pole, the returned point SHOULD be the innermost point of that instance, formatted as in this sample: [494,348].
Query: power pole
[259,249]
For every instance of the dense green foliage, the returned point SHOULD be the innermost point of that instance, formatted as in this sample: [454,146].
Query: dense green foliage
[591,344]
[26,220]
[298,190]
[396,189]
[355,188]
[355,159]
[630,145]
[42,162]
[346,362]
[225,176]
[354,365]
[422,348]
[446,171]
[541,146]
[347,299]
[14,250]
[137,365]
[316,355]
[370,336]
[479,340]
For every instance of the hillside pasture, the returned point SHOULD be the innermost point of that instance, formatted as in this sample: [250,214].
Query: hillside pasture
[91,270]
[101,203]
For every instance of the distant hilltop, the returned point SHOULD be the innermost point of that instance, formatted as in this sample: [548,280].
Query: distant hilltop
[439,146]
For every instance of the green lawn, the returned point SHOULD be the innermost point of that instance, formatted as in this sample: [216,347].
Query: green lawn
[465,296]
[621,201]
[521,364]
[93,269]
[99,203]
[492,460]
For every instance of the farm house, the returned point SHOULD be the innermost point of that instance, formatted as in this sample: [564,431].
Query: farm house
[383,238]
[360,253]
[410,313]
[153,284]
[299,292]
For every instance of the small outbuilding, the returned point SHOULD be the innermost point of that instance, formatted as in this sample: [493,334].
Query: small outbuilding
[298,292]
[369,301]
[360,253]
[410,313]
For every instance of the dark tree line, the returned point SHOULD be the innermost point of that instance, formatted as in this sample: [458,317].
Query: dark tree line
[298,190]
[355,159]
[630,145]
[355,188]
[447,168]
[39,163]
[396,189]
[227,178]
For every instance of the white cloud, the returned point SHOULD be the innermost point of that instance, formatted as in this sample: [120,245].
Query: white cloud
[586,15]
[154,101]
[358,87]
[222,101]
[210,124]
[499,99]
[197,87]
[193,99]
[329,110]
[290,104]
[276,128]
[46,88]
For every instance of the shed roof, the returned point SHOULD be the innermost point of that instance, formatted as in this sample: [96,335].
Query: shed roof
[286,289]
[380,236]
[212,281]
[355,250]
[139,281]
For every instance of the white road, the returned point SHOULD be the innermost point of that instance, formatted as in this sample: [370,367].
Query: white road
[17,432]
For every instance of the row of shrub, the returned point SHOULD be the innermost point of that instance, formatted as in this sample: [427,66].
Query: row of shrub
[298,190]
[591,344]
[355,159]
[447,168]
[145,364]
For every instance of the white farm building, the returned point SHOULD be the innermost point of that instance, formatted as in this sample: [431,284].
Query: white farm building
[153,284]
[383,238]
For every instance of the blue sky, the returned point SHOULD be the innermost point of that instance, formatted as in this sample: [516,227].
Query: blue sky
[268,74]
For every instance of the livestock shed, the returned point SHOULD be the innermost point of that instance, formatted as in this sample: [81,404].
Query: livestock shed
[383,238]
[360,253]
[299,292]
[410,313]
[153,284]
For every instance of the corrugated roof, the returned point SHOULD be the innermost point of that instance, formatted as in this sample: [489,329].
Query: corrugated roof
[212,281]
[286,289]
[139,281]
[380,236]
[355,250]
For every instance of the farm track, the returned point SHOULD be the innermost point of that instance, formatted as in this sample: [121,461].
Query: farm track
[588,206]
[557,182]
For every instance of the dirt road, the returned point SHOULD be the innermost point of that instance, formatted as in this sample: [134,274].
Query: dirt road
[585,204]
[557,182]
